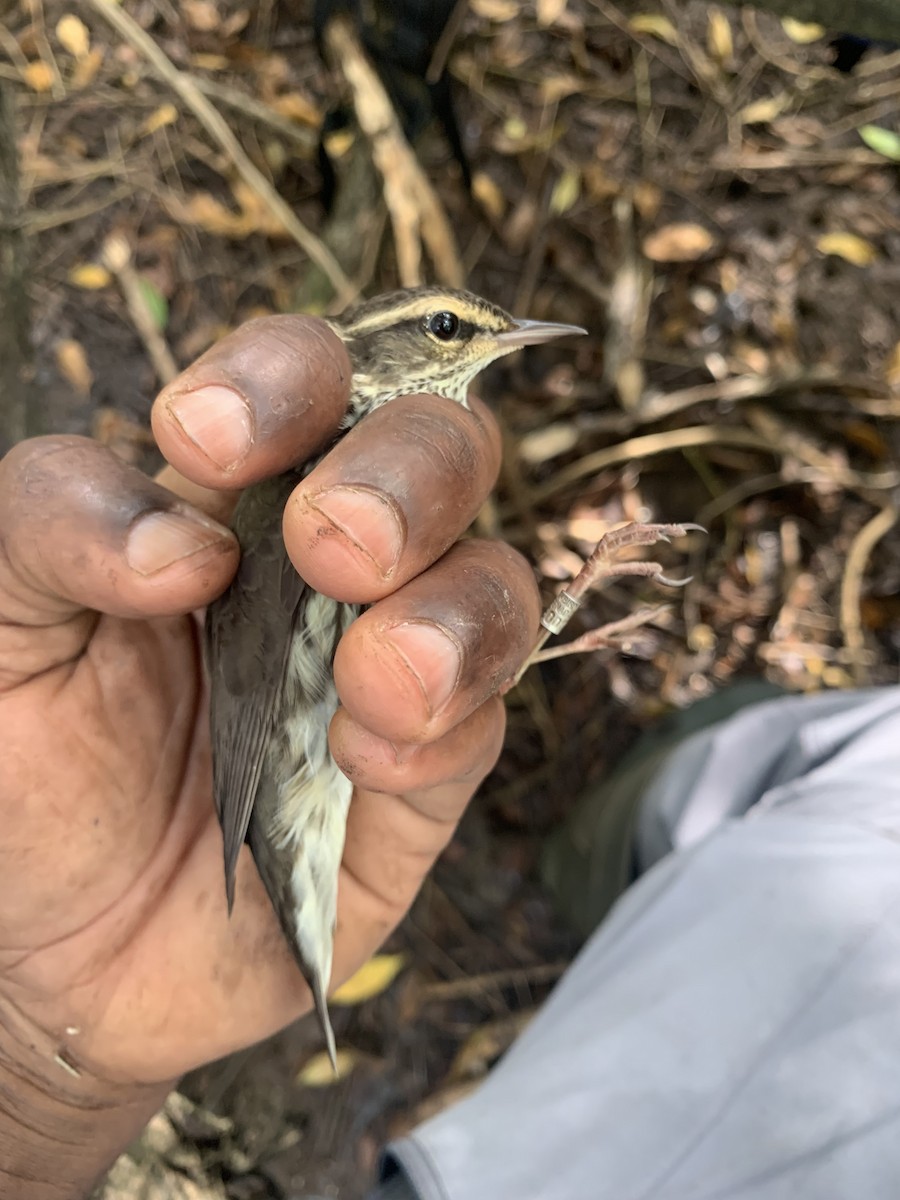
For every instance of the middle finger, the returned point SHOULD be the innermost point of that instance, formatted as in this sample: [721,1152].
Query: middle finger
[392,496]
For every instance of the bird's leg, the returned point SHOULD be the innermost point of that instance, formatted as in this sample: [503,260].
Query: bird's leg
[601,566]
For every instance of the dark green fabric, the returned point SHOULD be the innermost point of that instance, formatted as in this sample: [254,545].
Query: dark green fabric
[588,862]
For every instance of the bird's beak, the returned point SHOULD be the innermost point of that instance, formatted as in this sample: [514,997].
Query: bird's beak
[532,333]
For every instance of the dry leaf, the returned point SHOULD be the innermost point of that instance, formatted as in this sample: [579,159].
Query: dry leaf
[718,37]
[73,365]
[318,1071]
[86,68]
[201,15]
[489,195]
[656,25]
[73,35]
[296,107]
[767,109]
[678,243]
[549,11]
[210,62]
[556,87]
[166,114]
[802,32]
[38,76]
[372,978]
[849,246]
[495,10]
[89,276]
[566,191]
[548,442]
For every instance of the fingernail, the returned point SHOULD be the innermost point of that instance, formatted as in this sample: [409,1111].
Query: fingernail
[371,521]
[218,421]
[432,657]
[157,540]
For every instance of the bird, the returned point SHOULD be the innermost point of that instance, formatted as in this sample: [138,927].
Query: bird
[270,639]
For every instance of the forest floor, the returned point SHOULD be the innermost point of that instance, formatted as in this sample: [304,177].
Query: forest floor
[700,189]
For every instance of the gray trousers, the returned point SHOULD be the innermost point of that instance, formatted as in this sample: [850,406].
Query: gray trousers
[732,1029]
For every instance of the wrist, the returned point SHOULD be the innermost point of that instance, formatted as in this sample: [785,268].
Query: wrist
[61,1125]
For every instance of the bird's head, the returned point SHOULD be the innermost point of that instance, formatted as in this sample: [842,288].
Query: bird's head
[430,339]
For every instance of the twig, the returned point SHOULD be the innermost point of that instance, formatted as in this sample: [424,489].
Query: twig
[218,129]
[117,258]
[645,447]
[851,585]
[249,106]
[740,387]
[472,985]
[417,214]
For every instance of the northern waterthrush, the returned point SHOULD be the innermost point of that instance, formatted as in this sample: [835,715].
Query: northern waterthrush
[271,638]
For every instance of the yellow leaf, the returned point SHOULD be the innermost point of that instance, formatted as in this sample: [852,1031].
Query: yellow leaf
[166,114]
[495,10]
[201,15]
[318,1071]
[73,35]
[489,195]
[656,25]
[38,76]
[849,246]
[802,32]
[549,11]
[767,109]
[678,243]
[718,37]
[299,108]
[86,68]
[372,978]
[210,62]
[566,191]
[90,276]
[73,365]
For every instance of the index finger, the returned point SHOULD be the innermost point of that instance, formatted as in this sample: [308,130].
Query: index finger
[257,403]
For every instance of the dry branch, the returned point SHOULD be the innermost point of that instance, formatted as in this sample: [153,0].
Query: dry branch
[218,129]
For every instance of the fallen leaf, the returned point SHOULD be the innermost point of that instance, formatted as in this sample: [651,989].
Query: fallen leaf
[73,365]
[296,107]
[680,242]
[764,110]
[802,32]
[166,114]
[548,442]
[656,25]
[848,246]
[89,276]
[318,1072]
[883,141]
[201,15]
[73,35]
[549,11]
[372,978]
[566,191]
[86,67]
[489,195]
[718,37]
[495,10]
[38,76]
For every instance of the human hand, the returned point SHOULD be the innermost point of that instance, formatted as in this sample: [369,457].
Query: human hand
[117,957]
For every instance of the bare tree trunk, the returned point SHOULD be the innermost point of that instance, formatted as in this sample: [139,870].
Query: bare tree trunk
[16,413]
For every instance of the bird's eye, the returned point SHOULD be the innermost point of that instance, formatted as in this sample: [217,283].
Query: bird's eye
[444,325]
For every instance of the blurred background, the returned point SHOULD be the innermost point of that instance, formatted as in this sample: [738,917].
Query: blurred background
[711,191]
